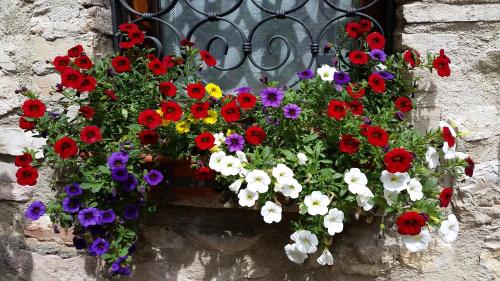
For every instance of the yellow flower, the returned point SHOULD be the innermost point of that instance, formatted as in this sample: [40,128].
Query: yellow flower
[211,118]
[213,90]
[229,132]
[214,149]
[191,119]
[164,122]
[182,127]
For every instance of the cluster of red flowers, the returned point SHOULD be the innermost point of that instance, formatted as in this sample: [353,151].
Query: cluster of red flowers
[357,29]
[72,68]
[375,136]
[135,35]
[26,174]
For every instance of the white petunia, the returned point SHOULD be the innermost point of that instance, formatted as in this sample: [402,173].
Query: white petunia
[380,67]
[317,203]
[247,197]
[391,196]
[333,221]
[282,173]
[394,181]
[305,241]
[271,212]
[215,160]
[355,179]
[365,199]
[326,258]
[219,139]
[417,243]
[258,181]
[230,166]
[326,72]
[432,157]
[243,172]
[292,189]
[449,152]
[414,189]
[236,185]
[294,254]
[449,228]
[302,158]
[461,155]
[241,156]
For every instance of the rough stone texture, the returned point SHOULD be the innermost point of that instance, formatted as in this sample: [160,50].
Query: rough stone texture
[193,243]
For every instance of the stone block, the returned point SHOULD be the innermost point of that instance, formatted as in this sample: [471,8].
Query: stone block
[14,140]
[437,13]
[9,189]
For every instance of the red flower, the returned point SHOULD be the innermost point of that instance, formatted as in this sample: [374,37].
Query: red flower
[412,57]
[255,135]
[410,223]
[168,62]
[148,137]
[349,144]
[171,111]
[355,94]
[445,197]
[358,57]
[111,94]
[337,109]
[200,109]
[247,100]
[23,160]
[90,134]
[168,89]
[196,91]
[204,173]
[230,112]
[469,170]
[356,107]
[377,136]
[404,104]
[84,62]
[363,129]
[441,64]
[126,45]
[157,67]
[121,64]
[25,124]
[33,108]
[149,118]
[87,84]
[398,160]
[377,83]
[126,27]
[27,176]
[207,58]
[186,43]
[353,29]
[365,25]
[76,51]
[375,40]
[71,78]
[61,62]
[66,147]
[136,36]
[448,137]
[205,141]
[87,112]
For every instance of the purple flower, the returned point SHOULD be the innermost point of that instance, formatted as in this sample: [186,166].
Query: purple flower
[264,79]
[120,267]
[243,90]
[338,88]
[367,120]
[99,247]
[70,205]
[89,216]
[153,178]
[271,97]
[54,115]
[73,190]
[235,142]
[341,77]
[131,212]
[107,216]
[305,74]
[292,111]
[386,75]
[272,120]
[35,210]
[386,148]
[130,183]
[327,47]
[117,160]
[79,243]
[399,115]
[377,54]
[119,174]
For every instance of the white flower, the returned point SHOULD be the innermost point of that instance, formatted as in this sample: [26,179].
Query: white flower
[243,172]
[295,255]
[271,212]
[291,190]
[380,67]
[326,72]
[236,185]
[333,221]
[317,203]
[449,228]
[258,181]
[356,180]
[241,156]
[215,160]
[449,152]
[302,158]
[230,166]
[432,157]
[219,139]
[282,173]
[305,241]
[247,197]
[391,196]
[365,199]
[414,189]
[326,258]
[461,155]
[417,243]
[394,181]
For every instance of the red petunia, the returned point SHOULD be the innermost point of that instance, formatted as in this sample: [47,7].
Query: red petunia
[337,109]
[356,94]
[469,170]
[448,137]
[205,141]
[358,57]
[121,64]
[61,63]
[90,134]
[27,176]
[111,94]
[186,43]
[168,62]
[398,160]
[196,91]
[148,137]
[412,57]
[365,25]
[23,160]
[149,118]
[75,51]
[136,36]
[84,62]
[87,84]
[445,197]
[126,27]
[377,83]
[410,223]
[71,78]
[171,111]
[126,45]
[207,58]
[66,147]
[404,104]
[363,129]
[200,110]
[441,64]
[247,100]
[255,135]
[353,29]
[204,173]
[87,112]
[25,124]
[230,112]
[33,108]
[375,40]
[377,136]
[168,89]
[157,67]
[349,144]
[356,107]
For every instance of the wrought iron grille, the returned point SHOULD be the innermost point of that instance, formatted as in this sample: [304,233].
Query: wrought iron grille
[165,14]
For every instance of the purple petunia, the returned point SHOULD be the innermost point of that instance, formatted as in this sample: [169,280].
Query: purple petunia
[89,216]
[399,115]
[305,74]
[73,190]
[119,174]
[386,75]
[235,142]
[338,88]
[378,55]
[271,97]
[35,210]
[130,183]
[131,212]
[241,90]
[79,242]
[120,267]
[99,247]
[70,205]
[341,77]
[107,216]
[117,160]
[367,120]
[153,178]
[292,111]
[272,120]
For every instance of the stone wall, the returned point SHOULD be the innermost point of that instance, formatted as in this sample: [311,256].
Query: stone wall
[192,243]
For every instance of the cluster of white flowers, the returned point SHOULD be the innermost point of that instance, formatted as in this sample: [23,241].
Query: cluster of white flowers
[306,243]
[420,242]
[227,165]
[357,182]
[285,181]
[394,183]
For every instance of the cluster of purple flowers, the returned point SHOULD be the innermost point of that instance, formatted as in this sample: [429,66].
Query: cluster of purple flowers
[71,204]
